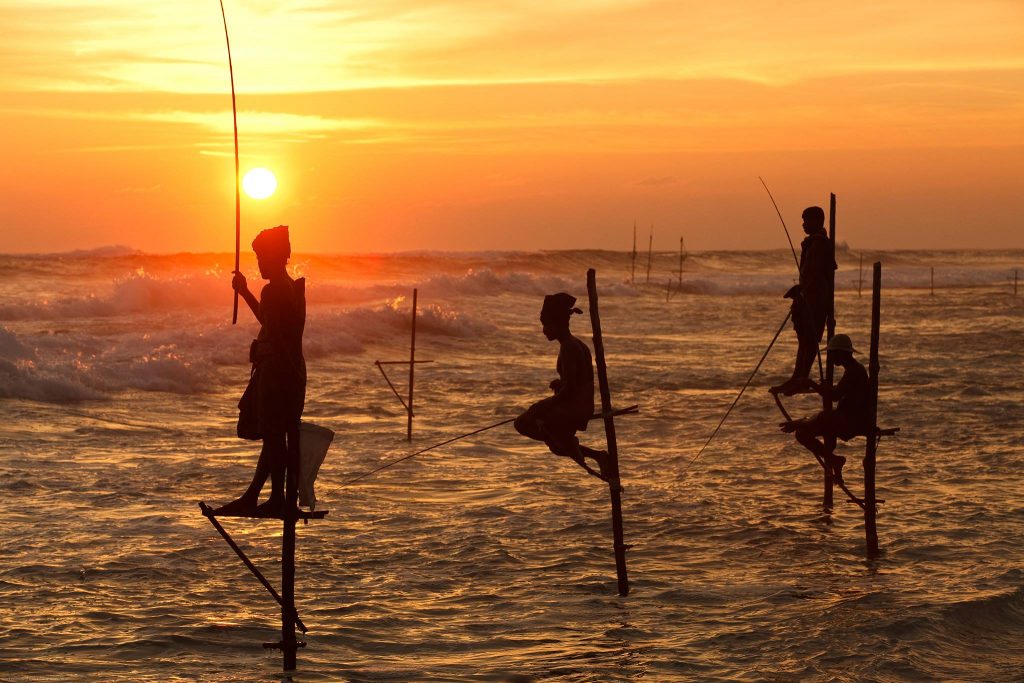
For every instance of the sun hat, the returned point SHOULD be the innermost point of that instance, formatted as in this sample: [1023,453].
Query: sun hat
[841,342]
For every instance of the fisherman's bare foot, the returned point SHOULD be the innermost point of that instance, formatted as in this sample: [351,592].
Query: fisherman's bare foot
[274,507]
[793,386]
[837,462]
[241,507]
[603,460]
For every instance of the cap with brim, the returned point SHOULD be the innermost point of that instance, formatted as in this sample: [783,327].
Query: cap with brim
[841,342]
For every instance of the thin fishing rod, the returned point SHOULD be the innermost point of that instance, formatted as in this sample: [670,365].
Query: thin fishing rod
[791,247]
[386,465]
[737,400]
[238,194]
[821,372]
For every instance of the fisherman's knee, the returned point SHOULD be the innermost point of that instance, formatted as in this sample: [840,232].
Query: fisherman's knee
[523,425]
[805,436]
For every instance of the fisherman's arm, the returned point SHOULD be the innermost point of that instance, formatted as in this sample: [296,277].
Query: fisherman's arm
[565,386]
[239,284]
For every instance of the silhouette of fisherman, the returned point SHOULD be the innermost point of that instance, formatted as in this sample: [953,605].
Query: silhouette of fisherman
[811,299]
[852,416]
[272,403]
[556,419]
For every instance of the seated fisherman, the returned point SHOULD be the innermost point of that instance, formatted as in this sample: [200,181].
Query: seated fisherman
[556,419]
[272,403]
[852,416]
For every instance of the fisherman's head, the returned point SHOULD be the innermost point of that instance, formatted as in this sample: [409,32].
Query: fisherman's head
[814,219]
[555,314]
[273,250]
[840,349]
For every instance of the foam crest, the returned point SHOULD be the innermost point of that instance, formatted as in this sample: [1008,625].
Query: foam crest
[137,292]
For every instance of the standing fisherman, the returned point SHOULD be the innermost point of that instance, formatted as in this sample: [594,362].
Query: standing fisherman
[556,419]
[272,403]
[811,298]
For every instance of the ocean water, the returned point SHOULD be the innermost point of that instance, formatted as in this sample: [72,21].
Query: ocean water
[490,559]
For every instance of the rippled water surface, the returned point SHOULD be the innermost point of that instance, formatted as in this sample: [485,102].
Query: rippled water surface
[490,559]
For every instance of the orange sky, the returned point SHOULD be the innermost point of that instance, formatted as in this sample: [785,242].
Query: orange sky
[460,124]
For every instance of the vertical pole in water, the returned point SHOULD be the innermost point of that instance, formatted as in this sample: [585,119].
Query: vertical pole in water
[614,487]
[860,276]
[650,245]
[412,363]
[289,646]
[682,250]
[1015,282]
[830,330]
[933,280]
[632,262]
[870,505]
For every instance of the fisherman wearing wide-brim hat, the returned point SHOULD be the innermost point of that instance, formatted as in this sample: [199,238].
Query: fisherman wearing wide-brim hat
[852,415]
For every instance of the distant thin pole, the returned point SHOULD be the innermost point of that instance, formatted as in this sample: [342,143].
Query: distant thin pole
[682,257]
[238,194]
[933,280]
[1015,282]
[650,245]
[860,275]
[412,363]
[632,262]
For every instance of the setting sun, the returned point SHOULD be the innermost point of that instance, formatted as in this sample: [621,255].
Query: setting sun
[259,183]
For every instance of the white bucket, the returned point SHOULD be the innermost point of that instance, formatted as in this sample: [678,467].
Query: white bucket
[314,441]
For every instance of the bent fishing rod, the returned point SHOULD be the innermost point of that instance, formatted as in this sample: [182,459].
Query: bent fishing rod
[238,194]
[779,213]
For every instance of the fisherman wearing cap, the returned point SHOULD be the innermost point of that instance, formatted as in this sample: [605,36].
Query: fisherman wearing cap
[811,299]
[556,419]
[272,403]
[852,416]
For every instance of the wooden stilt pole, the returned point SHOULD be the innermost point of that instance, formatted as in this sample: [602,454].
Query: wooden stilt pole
[614,485]
[870,500]
[682,257]
[933,280]
[860,276]
[830,330]
[412,364]
[289,645]
[208,513]
[650,247]
[632,261]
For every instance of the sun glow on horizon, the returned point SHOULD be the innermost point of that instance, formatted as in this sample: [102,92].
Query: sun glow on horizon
[259,183]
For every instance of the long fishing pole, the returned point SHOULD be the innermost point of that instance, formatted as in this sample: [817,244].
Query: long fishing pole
[238,194]
[614,413]
[737,399]
[392,463]
[821,373]
[790,239]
